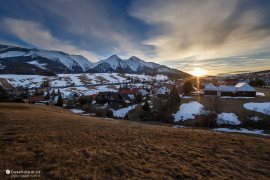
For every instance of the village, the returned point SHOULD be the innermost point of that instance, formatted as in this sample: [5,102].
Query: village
[137,100]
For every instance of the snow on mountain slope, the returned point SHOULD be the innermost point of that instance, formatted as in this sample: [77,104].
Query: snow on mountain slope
[38,64]
[69,61]
[114,61]
[12,54]
[132,64]
[61,62]
[84,63]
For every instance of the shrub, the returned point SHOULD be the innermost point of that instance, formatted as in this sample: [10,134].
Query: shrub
[206,120]
[104,112]
[84,100]
[260,123]
[89,108]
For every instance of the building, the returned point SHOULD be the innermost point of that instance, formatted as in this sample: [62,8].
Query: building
[163,91]
[210,89]
[244,89]
[33,99]
[227,91]
[241,89]
[72,96]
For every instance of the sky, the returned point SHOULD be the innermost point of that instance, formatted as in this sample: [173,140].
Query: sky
[220,36]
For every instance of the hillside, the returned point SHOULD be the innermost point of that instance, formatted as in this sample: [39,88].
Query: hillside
[84,83]
[63,145]
[45,62]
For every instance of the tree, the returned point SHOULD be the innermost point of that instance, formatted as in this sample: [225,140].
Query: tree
[187,87]
[173,100]
[45,83]
[257,82]
[48,95]
[53,93]
[139,98]
[59,101]
[3,94]
[146,106]
[84,100]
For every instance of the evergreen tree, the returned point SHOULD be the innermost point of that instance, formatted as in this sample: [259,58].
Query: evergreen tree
[45,84]
[53,93]
[36,92]
[139,98]
[60,101]
[3,94]
[146,106]
[48,96]
[173,100]
[187,88]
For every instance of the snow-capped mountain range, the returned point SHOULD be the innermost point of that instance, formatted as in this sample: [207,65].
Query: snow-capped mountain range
[17,60]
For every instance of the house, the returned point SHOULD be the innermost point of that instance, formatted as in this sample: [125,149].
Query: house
[143,92]
[227,91]
[103,97]
[163,91]
[33,99]
[210,89]
[244,89]
[72,96]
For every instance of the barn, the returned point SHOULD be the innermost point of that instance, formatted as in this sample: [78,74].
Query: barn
[210,89]
[227,90]
[244,89]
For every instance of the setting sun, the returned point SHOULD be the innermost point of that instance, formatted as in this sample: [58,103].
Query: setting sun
[198,72]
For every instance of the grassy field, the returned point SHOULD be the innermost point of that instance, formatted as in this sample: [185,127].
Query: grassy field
[64,145]
[233,105]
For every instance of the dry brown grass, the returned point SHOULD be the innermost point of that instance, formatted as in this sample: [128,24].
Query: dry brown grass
[64,145]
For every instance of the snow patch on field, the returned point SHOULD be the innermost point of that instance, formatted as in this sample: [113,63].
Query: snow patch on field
[241,130]
[77,111]
[227,118]
[255,118]
[260,94]
[258,107]
[24,80]
[230,97]
[188,110]
[121,113]
[2,66]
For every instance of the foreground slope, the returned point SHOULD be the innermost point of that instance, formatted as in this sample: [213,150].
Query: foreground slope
[61,144]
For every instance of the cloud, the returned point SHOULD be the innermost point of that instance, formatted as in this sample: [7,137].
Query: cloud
[97,24]
[33,33]
[204,29]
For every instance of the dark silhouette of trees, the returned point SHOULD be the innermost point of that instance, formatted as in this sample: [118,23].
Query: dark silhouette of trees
[187,87]
[3,94]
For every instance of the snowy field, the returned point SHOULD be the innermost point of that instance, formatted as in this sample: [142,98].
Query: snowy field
[78,79]
[258,107]
[85,83]
[227,118]
[241,130]
[121,113]
[188,110]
